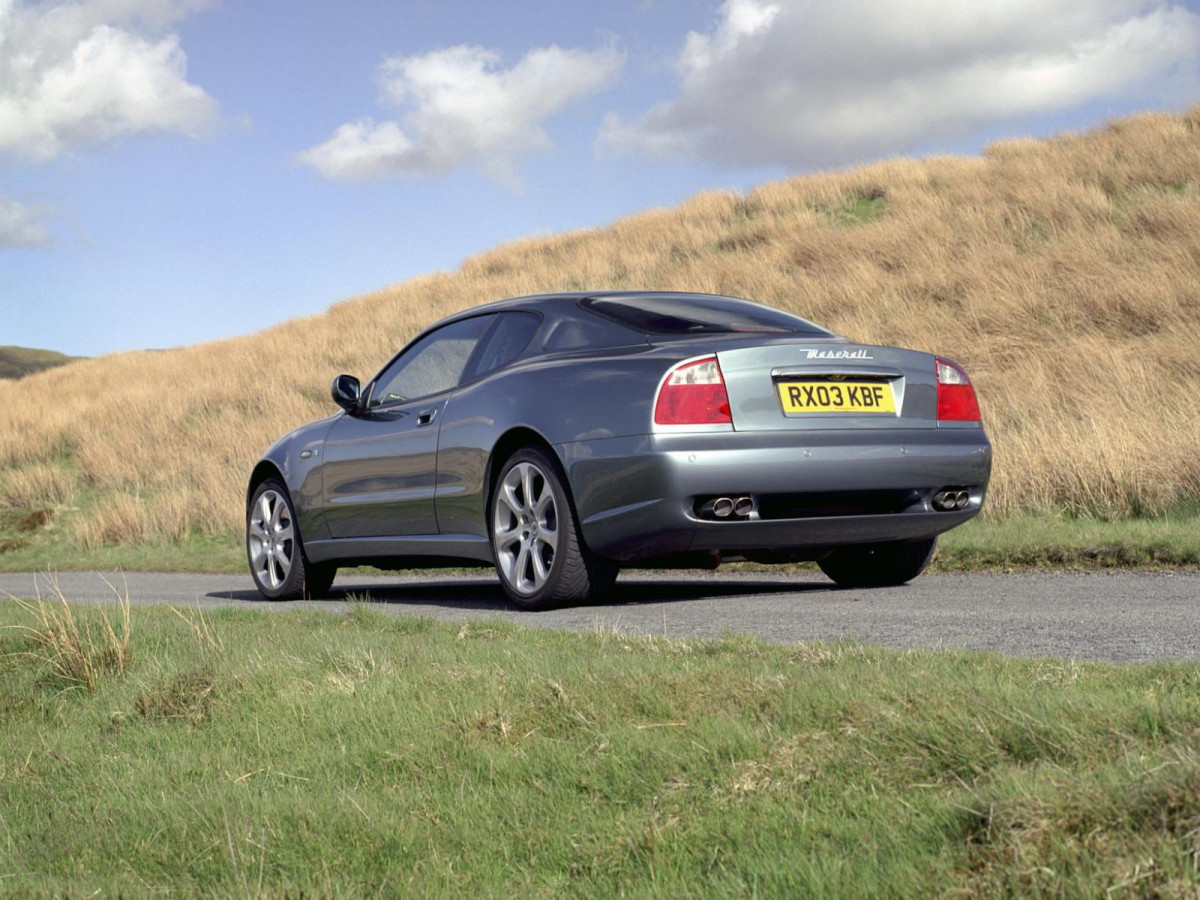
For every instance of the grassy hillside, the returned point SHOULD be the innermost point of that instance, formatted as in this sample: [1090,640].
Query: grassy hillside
[1064,273]
[17,362]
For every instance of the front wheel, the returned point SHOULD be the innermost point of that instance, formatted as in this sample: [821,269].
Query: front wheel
[878,565]
[277,562]
[540,556]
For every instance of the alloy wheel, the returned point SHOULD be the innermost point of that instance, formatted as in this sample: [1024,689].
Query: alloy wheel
[525,528]
[272,539]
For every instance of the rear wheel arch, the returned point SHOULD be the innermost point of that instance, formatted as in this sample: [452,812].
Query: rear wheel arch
[509,443]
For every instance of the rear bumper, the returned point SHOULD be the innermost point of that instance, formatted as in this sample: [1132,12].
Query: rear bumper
[635,495]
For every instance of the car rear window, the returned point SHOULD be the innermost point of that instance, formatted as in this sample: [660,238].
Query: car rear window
[683,314]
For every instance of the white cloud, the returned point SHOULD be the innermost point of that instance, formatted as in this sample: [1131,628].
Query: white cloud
[801,83]
[21,225]
[461,108]
[79,73]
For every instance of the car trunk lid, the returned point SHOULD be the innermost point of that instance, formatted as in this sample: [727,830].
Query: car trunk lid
[802,384]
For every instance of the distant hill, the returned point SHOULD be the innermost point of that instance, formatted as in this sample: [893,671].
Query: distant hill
[17,362]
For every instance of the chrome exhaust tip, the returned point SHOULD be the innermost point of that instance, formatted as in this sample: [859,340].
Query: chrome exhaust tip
[951,499]
[731,509]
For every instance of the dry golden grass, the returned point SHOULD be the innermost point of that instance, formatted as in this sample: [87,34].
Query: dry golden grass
[36,486]
[1064,273]
[75,656]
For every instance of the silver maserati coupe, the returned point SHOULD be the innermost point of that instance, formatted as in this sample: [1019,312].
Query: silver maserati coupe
[563,437]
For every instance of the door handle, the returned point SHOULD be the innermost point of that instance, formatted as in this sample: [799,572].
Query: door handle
[426,416]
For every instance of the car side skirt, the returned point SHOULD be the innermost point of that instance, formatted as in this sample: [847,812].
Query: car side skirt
[415,549]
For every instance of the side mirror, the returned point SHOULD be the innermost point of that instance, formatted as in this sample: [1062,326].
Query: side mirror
[346,391]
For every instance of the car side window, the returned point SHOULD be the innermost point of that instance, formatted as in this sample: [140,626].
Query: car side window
[509,336]
[431,365]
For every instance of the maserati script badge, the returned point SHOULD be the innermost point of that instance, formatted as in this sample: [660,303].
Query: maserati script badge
[835,354]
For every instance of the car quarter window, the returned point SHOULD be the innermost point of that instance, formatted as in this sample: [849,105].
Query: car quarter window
[431,365]
[508,337]
[574,333]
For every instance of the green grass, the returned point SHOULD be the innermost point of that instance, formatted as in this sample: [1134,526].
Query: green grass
[1063,542]
[17,362]
[308,754]
[51,548]
[859,211]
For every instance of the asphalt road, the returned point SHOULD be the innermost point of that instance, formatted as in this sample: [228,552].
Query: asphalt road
[1126,617]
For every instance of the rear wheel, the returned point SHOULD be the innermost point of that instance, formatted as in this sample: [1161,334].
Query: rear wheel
[878,565]
[540,556]
[277,562]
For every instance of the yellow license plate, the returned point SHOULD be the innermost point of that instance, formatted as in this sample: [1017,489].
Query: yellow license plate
[836,397]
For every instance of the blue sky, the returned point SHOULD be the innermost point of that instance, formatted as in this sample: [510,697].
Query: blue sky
[174,171]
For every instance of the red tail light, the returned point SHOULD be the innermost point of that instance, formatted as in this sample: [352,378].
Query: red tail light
[956,396]
[693,393]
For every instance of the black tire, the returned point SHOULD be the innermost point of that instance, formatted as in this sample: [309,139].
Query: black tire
[285,572]
[572,573]
[878,565]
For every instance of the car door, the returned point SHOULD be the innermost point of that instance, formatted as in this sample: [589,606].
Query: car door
[380,470]
[472,420]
